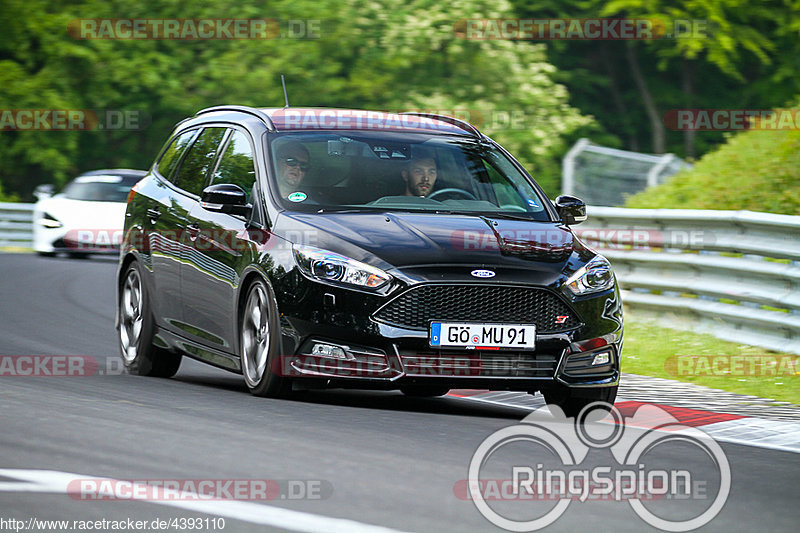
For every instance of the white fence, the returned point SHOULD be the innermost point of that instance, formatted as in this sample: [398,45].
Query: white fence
[16,225]
[734,274]
[605,176]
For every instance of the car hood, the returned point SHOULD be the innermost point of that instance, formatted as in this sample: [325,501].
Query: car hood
[431,246]
[81,214]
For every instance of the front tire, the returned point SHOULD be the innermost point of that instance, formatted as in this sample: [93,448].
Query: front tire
[136,331]
[259,341]
[572,401]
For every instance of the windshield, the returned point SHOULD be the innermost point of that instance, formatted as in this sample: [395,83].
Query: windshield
[98,188]
[399,171]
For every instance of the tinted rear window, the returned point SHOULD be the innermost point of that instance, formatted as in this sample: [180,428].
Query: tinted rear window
[171,158]
[195,166]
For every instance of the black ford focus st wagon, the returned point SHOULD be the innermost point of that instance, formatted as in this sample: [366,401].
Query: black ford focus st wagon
[312,248]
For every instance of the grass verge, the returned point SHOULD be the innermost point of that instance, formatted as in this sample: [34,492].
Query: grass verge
[651,349]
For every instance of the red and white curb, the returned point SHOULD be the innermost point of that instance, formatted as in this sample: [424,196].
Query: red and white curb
[722,427]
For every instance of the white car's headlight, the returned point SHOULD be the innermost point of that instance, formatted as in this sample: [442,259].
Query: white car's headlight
[49,221]
[328,266]
[594,276]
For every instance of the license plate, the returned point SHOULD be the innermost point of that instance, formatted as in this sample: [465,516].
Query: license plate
[464,335]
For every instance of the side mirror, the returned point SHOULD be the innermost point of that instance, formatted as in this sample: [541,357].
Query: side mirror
[44,191]
[571,210]
[226,198]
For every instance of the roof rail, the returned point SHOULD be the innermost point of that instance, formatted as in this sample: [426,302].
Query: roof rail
[242,109]
[463,124]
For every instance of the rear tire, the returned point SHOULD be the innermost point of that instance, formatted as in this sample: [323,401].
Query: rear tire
[424,391]
[136,331]
[259,343]
[572,404]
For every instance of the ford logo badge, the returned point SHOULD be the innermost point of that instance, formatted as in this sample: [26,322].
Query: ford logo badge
[482,273]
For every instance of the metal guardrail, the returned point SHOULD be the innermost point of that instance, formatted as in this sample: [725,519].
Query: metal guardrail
[734,274]
[16,225]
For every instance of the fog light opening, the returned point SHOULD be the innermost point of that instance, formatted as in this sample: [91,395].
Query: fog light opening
[329,350]
[602,358]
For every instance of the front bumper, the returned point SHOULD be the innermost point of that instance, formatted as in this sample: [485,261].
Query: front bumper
[394,368]
[62,239]
[373,354]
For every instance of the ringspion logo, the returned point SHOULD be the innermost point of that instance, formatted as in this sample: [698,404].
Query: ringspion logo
[524,477]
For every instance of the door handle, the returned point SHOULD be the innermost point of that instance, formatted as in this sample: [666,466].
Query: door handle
[193,230]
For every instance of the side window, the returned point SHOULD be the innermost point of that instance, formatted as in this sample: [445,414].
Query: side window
[236,165]
[503,190]
[172,156]
[193,171]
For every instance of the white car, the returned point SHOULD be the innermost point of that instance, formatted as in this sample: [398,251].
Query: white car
[86,216]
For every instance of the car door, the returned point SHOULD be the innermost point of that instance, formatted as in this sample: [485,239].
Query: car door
[170,217]
[161,254]
[210,274]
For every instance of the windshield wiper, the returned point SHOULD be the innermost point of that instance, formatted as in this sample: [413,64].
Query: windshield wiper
[342,210]
[507,216]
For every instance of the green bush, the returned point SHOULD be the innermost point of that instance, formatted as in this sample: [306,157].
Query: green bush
[7,197]
[754,170]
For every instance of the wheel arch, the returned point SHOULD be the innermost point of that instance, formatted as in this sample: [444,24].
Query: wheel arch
[125,262]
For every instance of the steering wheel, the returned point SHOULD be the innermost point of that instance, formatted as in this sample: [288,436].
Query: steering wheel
[462,192]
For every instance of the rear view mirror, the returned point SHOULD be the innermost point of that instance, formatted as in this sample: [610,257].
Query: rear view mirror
[572,210]
[43,191]
[226,198]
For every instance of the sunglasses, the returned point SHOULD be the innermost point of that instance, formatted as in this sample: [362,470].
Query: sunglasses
[292,162]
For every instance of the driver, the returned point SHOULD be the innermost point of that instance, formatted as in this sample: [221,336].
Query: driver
[420,175]
[293,162]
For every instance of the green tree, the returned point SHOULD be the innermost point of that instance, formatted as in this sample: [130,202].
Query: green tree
[746,55]
[367,56]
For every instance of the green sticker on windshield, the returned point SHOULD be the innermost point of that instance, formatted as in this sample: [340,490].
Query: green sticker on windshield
[297,196]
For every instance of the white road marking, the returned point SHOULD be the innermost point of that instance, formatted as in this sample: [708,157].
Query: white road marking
[56,482]
[773,434]
[749,431]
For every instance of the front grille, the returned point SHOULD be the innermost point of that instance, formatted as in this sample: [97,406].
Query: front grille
[479,364]
[415,308]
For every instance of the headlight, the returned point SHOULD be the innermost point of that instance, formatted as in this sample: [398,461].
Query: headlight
[328,266]
[594,276]
[49,221]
